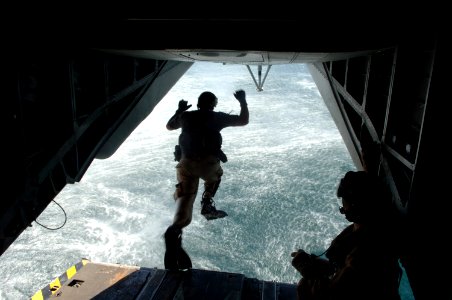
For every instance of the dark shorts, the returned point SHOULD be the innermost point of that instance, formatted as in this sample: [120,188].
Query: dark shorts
[189,171]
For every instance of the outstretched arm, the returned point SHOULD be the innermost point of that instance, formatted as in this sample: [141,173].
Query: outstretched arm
[244,115]
[174,121]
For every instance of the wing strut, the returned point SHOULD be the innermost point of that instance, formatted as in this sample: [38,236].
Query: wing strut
[260,84]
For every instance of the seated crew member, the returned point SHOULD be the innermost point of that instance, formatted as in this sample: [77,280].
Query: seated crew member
[362,261]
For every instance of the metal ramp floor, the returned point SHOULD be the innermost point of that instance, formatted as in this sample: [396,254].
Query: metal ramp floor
[91,280]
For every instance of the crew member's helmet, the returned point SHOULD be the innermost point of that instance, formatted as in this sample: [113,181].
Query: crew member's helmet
[358,187]
[365,193]
[207,100]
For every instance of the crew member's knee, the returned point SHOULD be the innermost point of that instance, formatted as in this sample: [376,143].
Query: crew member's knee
[184,210]
[181,220]
[185,189]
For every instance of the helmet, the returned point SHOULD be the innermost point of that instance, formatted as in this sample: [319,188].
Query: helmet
[207,100]
[366,194]
[357,186]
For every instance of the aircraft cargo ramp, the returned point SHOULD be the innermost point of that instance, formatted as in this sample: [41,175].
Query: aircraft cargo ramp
[92,280]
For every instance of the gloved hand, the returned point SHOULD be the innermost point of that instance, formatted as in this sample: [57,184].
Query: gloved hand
[183,106]
[300,260]
[241,96]
[311,266]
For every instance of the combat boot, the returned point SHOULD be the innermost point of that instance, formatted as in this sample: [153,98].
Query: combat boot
[175,256]
[209,211]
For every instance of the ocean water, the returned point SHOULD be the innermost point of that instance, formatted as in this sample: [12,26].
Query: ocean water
[278,189]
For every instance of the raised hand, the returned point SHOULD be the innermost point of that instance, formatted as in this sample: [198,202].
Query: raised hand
[183,105]
[240,95]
